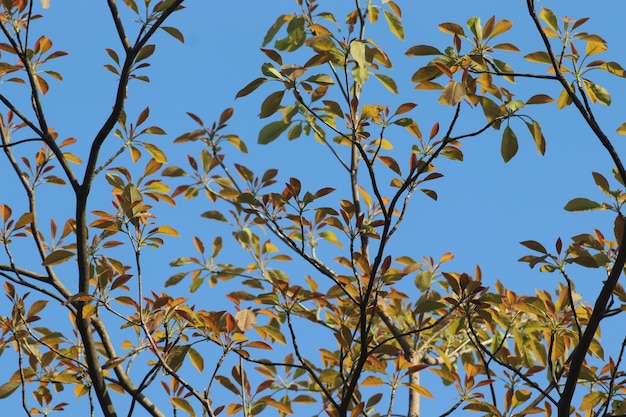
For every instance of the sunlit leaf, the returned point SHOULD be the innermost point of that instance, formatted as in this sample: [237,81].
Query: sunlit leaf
[184,405]
[246,319]
[57,257]
[453,93]
[388,82]
[395,25]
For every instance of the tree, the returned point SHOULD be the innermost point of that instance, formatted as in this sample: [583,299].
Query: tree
[329,311]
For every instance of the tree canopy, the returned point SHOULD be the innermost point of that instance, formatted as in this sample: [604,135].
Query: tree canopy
[162,263]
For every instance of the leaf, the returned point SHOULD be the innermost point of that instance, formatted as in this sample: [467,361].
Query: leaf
[253,85]
[273,30]
[395,25]
[422,50]
[246,319]
[541,57]
[591,400]
[145,52]
[564,99]
[405,108]
[601,182]
[176,357]
[270,132]
[196,359]
[167,230]
[509,145]
[5,211]
[214,215]
[534,245]
[452,28]
[427,73]
[540,99]
[501,27]
[540,141]
[582,204]
[175,33]
[57,257]
[453,93]
[388,82]
[391,163]
[8,388]
[184,405]
[330,236]
[621,129]
[597,93]
[371,381]
[271,104]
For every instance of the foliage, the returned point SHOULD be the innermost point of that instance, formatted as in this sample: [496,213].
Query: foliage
[330,314]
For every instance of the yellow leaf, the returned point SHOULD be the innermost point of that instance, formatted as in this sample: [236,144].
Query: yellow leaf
[372,381]
[57,257]
[168,231]
[184,405]
[196,359]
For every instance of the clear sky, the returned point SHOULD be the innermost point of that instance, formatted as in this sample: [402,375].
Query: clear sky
[485,207]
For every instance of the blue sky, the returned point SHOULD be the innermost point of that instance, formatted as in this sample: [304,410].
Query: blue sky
[485,207]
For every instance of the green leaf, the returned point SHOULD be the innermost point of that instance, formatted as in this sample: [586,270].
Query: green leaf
[452,94]
[253,85]
[175,279]
[214,215]
[474,25]
[176,357]
[321,79]
[357,50]
[427,73]
[175,33]
[423,50]
[509,146]
[8,388]
[395,25]
[271,104]
[541,57]
[57,257]
[273,30]
[582,204]
[601,182]
[388,82]
[490,108]
[270,132]
[423,280]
